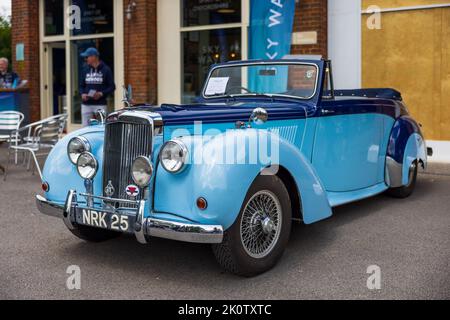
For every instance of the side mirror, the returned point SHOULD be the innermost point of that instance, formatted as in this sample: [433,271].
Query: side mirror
[126,96]
[259,116]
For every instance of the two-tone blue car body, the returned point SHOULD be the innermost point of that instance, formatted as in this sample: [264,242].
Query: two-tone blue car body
[267,142]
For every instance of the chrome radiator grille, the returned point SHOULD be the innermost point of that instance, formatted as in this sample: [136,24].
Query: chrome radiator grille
[124,142]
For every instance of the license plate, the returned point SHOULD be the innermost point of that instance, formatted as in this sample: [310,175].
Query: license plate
[105,220]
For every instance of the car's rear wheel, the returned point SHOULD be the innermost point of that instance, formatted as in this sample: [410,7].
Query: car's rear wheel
[406,191]
[91,234]
[257,239]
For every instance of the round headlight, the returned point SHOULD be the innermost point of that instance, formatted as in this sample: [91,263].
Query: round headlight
[76,147]
[87,165]
[142,171]
[173,156]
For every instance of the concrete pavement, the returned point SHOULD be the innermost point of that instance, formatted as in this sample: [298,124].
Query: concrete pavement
[408,239]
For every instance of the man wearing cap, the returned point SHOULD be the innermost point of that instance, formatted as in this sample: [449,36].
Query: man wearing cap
[96,85]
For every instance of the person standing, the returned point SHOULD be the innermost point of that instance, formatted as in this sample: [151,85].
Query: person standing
[8,79]
[97,83]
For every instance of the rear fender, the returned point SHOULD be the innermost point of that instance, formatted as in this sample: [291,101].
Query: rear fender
[406,145]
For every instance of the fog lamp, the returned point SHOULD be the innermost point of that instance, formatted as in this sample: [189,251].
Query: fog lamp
[87,165]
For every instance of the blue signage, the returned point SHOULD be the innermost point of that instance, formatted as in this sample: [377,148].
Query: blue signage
[271,24]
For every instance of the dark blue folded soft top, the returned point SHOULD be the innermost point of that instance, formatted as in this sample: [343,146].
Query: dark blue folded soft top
[384,93]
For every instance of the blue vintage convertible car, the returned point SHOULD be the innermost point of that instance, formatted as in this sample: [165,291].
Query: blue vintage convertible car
[266,143]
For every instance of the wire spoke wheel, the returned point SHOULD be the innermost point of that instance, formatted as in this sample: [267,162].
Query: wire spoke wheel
[258,237]
[261,224]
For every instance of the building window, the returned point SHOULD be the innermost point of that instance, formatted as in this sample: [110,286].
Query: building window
[201,50]
[96,17]
[211,33]
[53,17]
[210,12]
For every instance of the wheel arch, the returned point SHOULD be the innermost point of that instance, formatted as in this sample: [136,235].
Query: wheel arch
[406,145]
[294,194]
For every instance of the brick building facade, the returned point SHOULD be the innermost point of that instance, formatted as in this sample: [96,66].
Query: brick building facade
[25,26]
[139,44]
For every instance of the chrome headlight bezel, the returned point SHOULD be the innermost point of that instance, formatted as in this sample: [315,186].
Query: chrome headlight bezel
[146,167]
[84,160]
[84,146]
[177,147]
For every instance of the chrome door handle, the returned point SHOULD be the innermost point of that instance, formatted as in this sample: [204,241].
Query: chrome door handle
[325,111]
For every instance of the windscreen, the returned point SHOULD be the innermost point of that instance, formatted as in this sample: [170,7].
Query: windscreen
[293,80]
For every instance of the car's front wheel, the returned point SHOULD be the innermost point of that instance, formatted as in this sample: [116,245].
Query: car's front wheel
[257,239]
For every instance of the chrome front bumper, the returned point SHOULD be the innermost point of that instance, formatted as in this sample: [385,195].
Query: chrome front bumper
[143,228]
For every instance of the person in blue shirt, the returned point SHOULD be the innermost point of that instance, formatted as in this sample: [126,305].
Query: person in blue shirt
[8,79]
[97,83]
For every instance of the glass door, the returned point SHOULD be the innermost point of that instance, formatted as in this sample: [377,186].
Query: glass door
[100,26]
[55,84]
[106,48]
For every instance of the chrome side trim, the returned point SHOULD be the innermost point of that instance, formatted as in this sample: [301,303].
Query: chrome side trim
[194,233]
[393,173]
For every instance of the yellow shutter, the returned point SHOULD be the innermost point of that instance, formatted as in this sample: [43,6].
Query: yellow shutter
[411,53]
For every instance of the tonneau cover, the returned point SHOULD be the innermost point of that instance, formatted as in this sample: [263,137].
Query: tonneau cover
[384,93]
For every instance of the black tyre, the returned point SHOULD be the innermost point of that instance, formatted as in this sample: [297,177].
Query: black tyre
[258,237]
[405,191]
[91,234]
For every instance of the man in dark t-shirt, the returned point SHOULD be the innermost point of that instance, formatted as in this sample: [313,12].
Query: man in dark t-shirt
[97,83]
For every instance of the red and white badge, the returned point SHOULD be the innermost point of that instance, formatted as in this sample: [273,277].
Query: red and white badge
[132,190]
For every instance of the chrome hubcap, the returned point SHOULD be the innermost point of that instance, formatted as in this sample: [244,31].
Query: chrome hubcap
[261,224]
[268,226]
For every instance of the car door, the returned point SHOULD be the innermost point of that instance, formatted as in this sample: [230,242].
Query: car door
[348,147]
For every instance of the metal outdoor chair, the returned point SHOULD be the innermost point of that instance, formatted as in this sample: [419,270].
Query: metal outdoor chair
[9,121]
[32,138]
[62,118]
[37,139]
